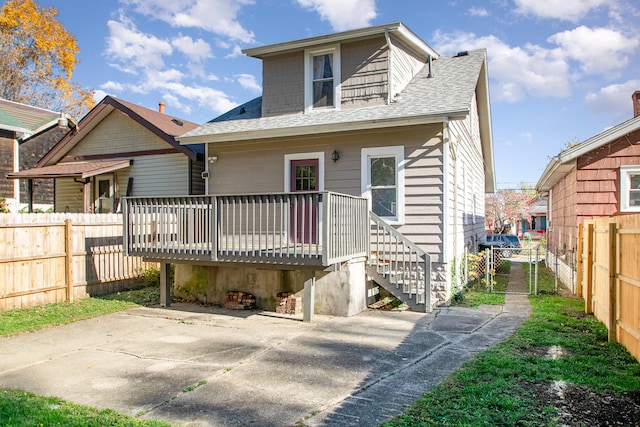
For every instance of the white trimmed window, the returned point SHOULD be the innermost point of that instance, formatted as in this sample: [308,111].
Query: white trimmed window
[322,79]
[630,188]
[382,178]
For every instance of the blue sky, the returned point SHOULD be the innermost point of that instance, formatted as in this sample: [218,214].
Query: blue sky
[560,70]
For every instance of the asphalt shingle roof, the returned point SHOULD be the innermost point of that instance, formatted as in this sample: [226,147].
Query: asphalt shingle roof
[449,90]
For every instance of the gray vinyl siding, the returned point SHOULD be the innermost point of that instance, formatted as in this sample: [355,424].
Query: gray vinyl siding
[117,133]
[68,196]
[156,175]
[468,182]
[258,166]
[197,183]
[405,65]
[283,84]
[364,73]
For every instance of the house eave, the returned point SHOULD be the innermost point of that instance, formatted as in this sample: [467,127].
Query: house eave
[601,139]
[321,129]
[394,27]
[561,164]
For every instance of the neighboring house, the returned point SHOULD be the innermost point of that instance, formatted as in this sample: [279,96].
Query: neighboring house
[536,227]
[599,177]
[119,149]
[26,134]
[375,114]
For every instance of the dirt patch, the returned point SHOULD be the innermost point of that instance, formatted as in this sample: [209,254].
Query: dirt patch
[580,406]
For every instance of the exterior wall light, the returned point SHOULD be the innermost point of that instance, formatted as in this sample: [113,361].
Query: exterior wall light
[335,156]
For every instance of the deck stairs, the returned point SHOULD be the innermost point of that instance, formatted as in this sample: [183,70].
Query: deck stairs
[399,265]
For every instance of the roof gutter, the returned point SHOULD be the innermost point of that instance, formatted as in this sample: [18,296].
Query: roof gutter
[320,129]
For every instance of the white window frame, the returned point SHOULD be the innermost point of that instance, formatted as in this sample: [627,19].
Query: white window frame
[365,177]
[308,78]
[303,156]
[625,180]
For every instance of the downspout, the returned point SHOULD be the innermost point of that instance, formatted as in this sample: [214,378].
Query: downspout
[445,188]
[389,66]
[206,169]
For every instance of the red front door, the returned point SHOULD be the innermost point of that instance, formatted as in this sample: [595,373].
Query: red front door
[304,178]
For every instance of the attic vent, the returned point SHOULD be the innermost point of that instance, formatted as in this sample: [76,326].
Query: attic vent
[242,110]
[178,122]
[461,53]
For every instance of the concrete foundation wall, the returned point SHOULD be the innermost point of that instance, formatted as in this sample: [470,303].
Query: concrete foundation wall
[340,293]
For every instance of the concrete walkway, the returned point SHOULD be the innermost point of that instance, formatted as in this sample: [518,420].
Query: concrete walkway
[197,366]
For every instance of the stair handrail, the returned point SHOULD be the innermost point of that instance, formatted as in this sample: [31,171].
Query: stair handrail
[395,233]
[424,256]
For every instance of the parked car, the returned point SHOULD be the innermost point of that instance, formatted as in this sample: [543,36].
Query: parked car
[508,243]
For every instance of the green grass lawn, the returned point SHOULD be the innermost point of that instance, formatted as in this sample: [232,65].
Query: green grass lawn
[22,409]
[31,319]
[514,383]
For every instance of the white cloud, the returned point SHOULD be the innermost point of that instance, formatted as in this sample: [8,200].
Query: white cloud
[235,52]
[614,100]
[599,50]
[343,14]
[215,16]
[98,95]
[249,82]
[568,10]
[514,71]
[195,50]
[111,85]
[133,49]
[478,11]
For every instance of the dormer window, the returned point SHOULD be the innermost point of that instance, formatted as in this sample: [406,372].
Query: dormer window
[322,79]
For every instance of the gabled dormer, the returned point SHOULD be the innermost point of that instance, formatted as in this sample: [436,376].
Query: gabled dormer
[351,69]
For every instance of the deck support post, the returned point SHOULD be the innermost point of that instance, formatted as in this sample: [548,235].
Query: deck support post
[165,285]
[309,295]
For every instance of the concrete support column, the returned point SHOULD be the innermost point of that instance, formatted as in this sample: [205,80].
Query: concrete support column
[309,295]
[165,285]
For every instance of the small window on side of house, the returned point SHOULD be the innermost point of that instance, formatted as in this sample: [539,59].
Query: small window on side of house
[630,189]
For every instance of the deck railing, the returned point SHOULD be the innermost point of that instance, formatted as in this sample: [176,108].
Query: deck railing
[279,228]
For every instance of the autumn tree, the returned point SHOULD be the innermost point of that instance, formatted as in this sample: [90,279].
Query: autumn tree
[505,207]
[37,59]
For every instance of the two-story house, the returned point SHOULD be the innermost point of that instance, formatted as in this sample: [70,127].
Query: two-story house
[365,161]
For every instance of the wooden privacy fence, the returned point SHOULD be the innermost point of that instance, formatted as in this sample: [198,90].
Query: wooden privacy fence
[609,276]
[47,258]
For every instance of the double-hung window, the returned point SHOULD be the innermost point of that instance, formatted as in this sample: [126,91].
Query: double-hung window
[322,79]
[630,189]
[383,182]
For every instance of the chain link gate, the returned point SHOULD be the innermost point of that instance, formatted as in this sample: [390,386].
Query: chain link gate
[492,268]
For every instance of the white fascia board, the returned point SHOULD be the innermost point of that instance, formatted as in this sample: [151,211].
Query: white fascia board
[318,129]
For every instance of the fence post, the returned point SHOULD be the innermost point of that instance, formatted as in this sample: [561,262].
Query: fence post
[535,286]
[487,275]
[579,262]
[555,276]
[613,254]
[588,269]
[68,250]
